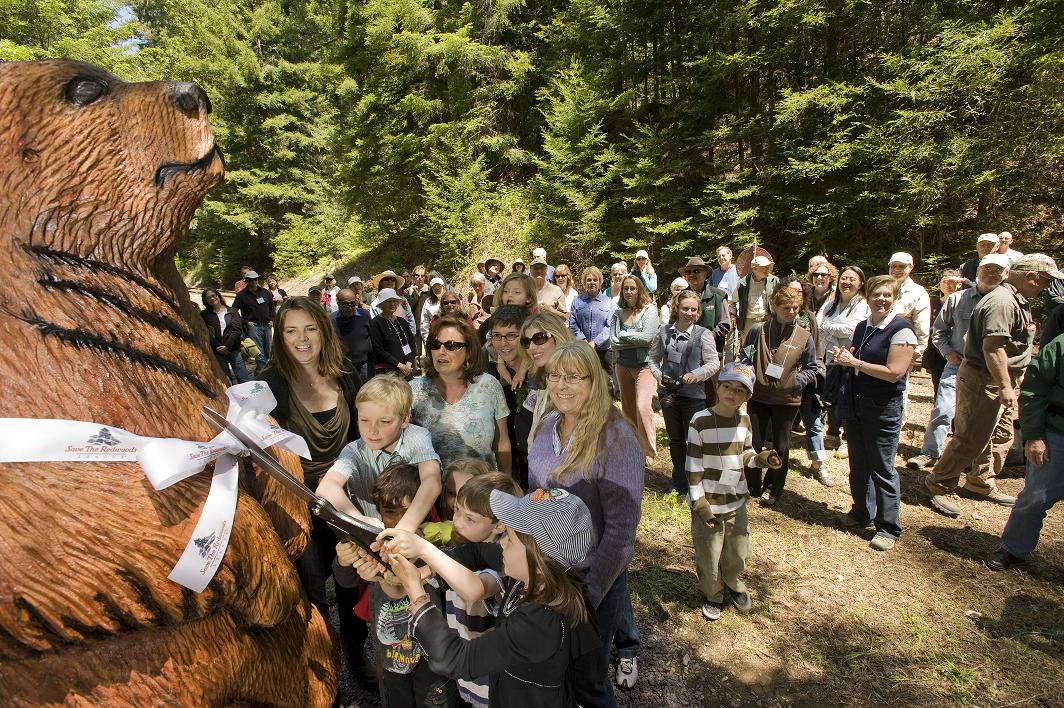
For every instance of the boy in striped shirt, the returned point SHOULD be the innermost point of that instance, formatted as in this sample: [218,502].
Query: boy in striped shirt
[719,447]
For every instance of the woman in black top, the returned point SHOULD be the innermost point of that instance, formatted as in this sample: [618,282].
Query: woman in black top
[310,377]
[226,330]
[393,341]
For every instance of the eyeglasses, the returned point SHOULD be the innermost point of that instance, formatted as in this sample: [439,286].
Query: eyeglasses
[555,377]
[448,302]
[450,346]
[539,339]
[345,305]
[509,337]
[821,275]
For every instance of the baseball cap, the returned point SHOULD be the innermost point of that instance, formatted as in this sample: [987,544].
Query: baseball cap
[761,261]
[558,521]
[987,238]
[330,277]
[354,279]
[250,275]
[743,373]
[539,253]
[1038,263]
[998,259]
[642,254]
[436,281]
[539,262]
[901,257]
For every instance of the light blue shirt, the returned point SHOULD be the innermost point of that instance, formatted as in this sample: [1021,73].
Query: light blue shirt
[590,319]
[725,281]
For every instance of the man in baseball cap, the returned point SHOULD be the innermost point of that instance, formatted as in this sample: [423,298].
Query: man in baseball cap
[913,303]
[984,245]
[997,350]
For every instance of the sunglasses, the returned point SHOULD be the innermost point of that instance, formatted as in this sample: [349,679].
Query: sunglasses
[539,339]
[821,275]
[555,377]
[345,305]
[694,271]
[448,302]
[450,346]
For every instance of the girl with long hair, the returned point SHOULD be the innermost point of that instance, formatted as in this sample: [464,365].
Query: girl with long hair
[635,325]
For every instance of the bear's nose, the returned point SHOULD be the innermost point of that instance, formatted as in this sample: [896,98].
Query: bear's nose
[189,99]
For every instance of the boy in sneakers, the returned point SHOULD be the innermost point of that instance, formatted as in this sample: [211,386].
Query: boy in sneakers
[719,447]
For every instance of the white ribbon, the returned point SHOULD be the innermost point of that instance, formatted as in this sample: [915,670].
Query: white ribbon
[165,462]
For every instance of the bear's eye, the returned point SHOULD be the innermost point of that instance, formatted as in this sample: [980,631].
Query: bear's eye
[83,90]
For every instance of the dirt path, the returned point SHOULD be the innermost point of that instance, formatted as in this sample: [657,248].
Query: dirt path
[837,623]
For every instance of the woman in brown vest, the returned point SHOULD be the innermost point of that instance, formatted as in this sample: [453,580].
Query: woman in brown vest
[783,355]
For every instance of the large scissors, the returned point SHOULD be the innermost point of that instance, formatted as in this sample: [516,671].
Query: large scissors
[348,527]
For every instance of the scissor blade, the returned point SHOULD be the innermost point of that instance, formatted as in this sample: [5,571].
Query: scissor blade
[274,468]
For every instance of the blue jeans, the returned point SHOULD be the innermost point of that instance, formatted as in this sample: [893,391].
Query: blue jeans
[942,413]
[810,410]
[677,421]
[627,638]
[1043,487]
[873,442]
[589,673]
[260,334]
[232,365]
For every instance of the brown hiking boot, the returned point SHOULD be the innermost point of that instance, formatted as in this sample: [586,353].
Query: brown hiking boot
[921,462]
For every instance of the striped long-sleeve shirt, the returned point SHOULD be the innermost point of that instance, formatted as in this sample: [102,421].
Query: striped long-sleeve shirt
[718,449]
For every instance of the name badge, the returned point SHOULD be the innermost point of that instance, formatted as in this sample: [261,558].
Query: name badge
[674,356]
[774,371]
[406,350]
[260,301]
[730,477]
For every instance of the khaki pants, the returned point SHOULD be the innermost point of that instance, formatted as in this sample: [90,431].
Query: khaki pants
[721,553]
[982,435]
[638,387]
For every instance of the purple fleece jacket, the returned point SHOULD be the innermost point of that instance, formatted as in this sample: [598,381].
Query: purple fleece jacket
[613,494]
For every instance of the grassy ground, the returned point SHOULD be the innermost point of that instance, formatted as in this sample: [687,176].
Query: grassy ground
[837,623]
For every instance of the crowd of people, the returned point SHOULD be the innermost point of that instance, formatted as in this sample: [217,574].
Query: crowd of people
[477,427]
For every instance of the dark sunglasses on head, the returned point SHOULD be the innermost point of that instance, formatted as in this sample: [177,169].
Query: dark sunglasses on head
[450,346]
[539,339]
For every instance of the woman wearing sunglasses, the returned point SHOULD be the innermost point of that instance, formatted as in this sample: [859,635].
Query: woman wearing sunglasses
[465,410]
[541,335]
[587,447]
[682,358]
[450,306]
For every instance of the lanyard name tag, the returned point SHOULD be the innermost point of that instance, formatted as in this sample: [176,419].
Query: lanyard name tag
[406,350]
[730,477]
[675,356]
[260,301]
[774,371]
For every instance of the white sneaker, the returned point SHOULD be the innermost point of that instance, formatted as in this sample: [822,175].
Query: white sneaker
[627,672]
[842,453]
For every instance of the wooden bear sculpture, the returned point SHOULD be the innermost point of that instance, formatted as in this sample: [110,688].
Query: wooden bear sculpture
[99,180]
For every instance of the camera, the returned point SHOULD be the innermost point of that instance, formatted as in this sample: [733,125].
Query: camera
[671,386]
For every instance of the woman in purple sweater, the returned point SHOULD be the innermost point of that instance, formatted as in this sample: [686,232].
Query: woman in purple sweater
[585,445]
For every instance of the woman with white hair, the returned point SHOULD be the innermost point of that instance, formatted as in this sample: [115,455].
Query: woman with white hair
[645,271]
[677,287]
[617,272]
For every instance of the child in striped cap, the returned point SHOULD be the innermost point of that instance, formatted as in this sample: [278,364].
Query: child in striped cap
[542,621]
[719,449]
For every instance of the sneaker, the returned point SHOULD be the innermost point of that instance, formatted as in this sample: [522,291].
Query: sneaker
[948,504]
[1001,560]
[711,610]
[740,600]
[627,672]
[849,522]
[767,499]
[920,462]
[881,542]
[821,475]
[842,453]
[996,496]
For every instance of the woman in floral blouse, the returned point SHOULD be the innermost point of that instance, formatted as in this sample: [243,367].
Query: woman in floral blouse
[465,410]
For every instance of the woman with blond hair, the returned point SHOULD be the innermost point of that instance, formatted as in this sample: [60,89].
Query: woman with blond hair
[587,447]
[633,329]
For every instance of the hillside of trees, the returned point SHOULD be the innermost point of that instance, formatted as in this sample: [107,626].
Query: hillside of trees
[444,131]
